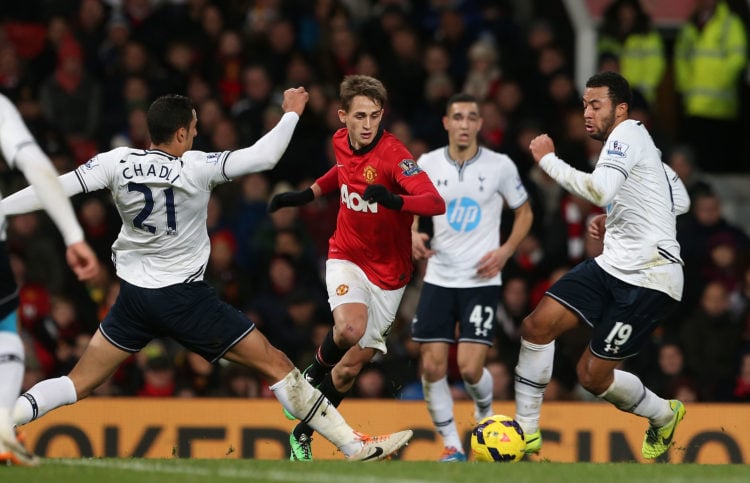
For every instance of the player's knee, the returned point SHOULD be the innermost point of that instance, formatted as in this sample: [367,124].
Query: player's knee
[535,330]
[471,374]
[349,334]
[589,380]
[433,370]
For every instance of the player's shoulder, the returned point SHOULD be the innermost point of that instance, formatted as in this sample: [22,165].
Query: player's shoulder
[432,157]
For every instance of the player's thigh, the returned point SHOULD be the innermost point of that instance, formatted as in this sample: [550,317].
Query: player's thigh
[476,307]
[436,315]
[594,373]
[200,321]
[580,294]
[349,298]
[630,319]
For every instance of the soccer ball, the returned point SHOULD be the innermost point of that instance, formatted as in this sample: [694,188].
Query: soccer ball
[499,439]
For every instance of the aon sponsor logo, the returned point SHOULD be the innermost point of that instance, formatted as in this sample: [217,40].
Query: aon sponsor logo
[354,201]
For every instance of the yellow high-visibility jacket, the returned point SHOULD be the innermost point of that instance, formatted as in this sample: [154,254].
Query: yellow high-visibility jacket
[709,63]
[642,60]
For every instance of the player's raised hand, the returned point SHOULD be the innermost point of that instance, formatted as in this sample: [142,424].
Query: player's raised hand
[419,248]
[82,260]
[541,146]
[596,227]
[295,100]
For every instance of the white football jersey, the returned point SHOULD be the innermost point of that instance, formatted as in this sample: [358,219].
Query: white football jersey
[642,198]
[474,195]
[162,201]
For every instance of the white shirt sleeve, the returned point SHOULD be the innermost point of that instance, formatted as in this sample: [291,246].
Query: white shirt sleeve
[598,187]
[266,152]
[21,150]
[680,196]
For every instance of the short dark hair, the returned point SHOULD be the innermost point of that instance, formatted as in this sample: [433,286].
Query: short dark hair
[166,115]
[619,89]
[459,97]
[361,85]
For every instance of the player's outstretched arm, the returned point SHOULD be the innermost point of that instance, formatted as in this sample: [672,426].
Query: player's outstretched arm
[266,152]
[48,191]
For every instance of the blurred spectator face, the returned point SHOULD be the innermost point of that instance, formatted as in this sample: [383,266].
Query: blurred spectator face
[224,137]
[93,212]
[367,65]
[256,83]
[509,96]
[515,295]
[682,163]
[438,88]
[180,56]
[209,115]
[230,44]
[551,59]
[670,359]
[723,250]
[281,37]
[707,209]
[436,59]
[404,44]
[57,29]
[90,14]
[281,273]
[540,35]
[255,187]
[136,91]
[198,89]
[452,25]
[371,384]
[715,299]
[298,71]
[287,243]
[343,44]
[134,58]
[402,131]
[212,21]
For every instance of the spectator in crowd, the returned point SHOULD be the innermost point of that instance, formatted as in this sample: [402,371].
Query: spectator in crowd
[628,35]
[710,55]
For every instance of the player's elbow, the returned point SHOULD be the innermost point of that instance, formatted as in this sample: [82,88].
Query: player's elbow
[438,205]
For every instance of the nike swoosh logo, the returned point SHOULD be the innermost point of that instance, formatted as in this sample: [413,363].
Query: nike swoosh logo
[378,452]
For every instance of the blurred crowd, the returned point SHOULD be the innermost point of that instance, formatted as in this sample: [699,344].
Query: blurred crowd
[83,73]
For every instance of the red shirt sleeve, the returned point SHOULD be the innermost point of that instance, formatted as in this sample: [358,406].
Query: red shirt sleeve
[329,182]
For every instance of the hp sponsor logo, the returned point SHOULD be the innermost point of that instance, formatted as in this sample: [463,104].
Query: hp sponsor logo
[463,214]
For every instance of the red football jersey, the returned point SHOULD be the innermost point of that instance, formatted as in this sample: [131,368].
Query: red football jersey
[373,237]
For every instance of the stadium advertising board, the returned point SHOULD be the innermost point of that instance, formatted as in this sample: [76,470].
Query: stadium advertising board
[256,428]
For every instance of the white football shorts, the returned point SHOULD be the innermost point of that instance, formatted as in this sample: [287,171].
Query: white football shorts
[347,283]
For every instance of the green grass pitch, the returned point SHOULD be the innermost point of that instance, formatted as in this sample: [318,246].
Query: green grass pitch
[96,470]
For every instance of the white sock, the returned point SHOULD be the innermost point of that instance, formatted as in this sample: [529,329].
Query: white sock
[481,393]
[310,406]
[11,369]
[44,397]
[628,394]
[533,373]
[11,378]
[439,401]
